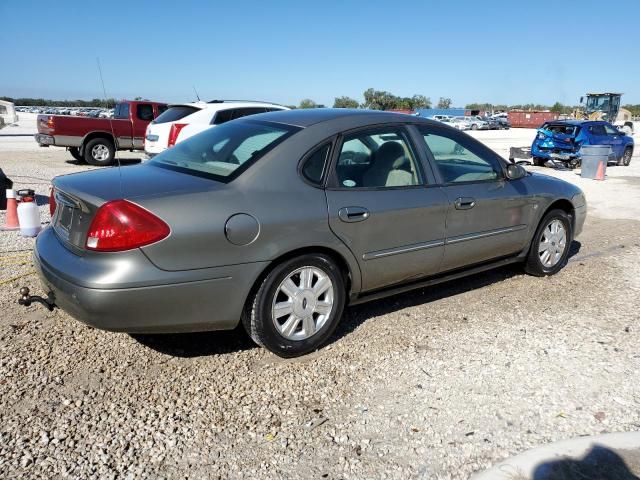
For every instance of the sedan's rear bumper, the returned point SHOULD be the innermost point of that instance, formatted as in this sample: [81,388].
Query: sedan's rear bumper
[198,305]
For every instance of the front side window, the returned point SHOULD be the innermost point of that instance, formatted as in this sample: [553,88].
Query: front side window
[377,159]
[224,151]
[611,130]
[456,163]
[145,112]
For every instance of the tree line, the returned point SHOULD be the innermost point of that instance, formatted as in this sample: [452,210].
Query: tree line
[373,99]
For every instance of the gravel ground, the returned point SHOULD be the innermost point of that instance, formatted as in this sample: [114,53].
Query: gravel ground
[437,383]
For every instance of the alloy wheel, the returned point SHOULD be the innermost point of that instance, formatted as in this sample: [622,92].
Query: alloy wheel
[303,303]
[100,152]
[553,243]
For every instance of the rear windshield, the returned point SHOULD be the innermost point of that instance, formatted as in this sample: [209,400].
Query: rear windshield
[225,151]
[561,128]
[172,114]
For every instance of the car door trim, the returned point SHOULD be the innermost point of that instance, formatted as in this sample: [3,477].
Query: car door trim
[404,249]
[488,233]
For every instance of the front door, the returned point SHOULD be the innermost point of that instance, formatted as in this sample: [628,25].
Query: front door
[384,209]
[488,216]
[615,139]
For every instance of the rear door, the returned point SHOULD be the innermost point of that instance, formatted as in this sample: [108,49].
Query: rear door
[488,216]
[385,207]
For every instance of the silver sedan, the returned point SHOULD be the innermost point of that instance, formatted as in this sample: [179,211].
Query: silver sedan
[279,220]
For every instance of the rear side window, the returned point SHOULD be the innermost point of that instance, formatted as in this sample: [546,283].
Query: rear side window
[315,164]
[178,112]
[222,153]
[597,130]
[222,116]
[145,111]
[162,109]
[121,111]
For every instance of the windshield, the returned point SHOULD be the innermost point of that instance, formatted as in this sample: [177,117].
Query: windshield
[224,151]
[598,103]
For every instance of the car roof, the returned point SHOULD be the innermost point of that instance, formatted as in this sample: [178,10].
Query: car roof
[310,116]
[220,105]
[575,123]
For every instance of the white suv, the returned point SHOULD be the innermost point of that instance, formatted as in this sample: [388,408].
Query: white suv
[183,120]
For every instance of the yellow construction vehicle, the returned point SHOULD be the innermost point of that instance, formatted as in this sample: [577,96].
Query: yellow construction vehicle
[604,106]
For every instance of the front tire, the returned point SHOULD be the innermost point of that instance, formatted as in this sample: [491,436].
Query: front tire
[297,306]
[625,160]
[99,152]
[474,127]
[550,245]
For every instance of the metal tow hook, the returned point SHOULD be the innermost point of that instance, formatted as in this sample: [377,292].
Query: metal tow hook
[26,299]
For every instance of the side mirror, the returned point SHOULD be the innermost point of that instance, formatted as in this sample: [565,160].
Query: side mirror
[515,171]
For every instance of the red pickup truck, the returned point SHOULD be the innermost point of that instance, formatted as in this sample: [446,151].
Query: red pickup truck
[95,140]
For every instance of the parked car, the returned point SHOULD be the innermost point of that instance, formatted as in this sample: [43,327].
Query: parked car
[279,220]
[503,121]
[475,123]
[182,121]
[440,118]
[95,140]
[458,123]
[561,140]
[493,124]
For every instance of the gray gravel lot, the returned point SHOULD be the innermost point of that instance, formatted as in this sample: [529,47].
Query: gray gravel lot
[437,383]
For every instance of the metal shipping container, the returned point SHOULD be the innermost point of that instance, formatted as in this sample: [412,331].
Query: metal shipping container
[530,118]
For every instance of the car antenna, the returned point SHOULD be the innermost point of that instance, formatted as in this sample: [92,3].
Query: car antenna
[194,89]
[113,133]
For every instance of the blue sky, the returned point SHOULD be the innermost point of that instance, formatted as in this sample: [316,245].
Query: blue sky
[481,50]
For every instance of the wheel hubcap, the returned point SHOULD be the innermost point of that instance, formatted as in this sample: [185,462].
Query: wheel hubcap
[303,303]
[553,243]
[100,152]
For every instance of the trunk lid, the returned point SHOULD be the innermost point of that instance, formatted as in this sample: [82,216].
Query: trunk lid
[78,196]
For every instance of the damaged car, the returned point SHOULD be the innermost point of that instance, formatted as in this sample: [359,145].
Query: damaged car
[561,140]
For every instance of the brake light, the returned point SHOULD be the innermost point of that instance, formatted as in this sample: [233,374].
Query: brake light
[121,225]
[174,132]
[52,201]
[51,122]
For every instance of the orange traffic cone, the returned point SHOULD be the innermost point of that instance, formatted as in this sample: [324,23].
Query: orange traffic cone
[600,171]
[11,220]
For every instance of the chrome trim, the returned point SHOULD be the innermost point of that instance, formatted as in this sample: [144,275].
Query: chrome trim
[405,249]
[490,233]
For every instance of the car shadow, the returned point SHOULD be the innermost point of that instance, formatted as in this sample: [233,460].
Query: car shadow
[189,345]
[197,344]
[598,463]
[123,162]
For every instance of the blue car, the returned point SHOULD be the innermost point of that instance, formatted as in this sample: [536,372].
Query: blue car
[560,140]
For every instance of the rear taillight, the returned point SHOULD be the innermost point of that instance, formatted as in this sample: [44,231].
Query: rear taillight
[121,225]
[51,122]
[174,132]
[52,201]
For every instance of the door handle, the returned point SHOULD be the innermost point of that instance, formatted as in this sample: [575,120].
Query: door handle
[464,203]
[353,214]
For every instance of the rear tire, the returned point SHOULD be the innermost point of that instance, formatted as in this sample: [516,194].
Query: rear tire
[99,152]
[284,313]
[474,127]
[553,237]
[538,162]
[75,153]
[625,160]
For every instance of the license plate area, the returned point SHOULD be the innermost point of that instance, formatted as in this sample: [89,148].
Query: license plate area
[66,212]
